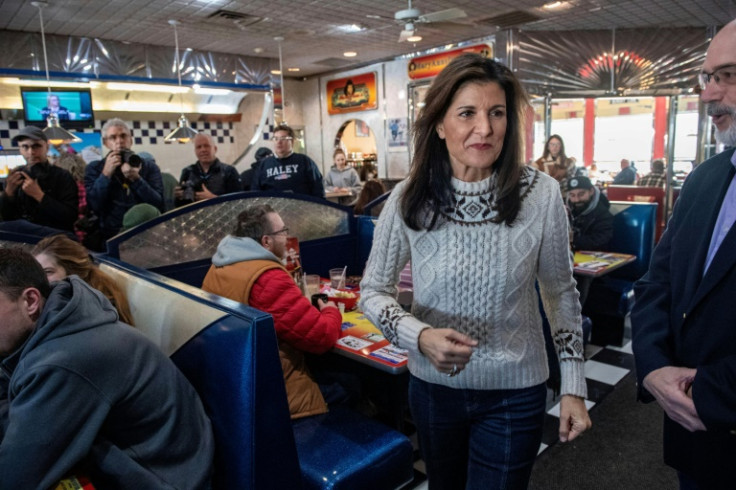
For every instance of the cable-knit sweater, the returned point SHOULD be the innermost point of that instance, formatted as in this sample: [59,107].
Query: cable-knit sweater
[478,277]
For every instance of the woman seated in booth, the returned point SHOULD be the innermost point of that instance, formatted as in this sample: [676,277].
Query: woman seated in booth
[341,177]
[60,256]
[371,190]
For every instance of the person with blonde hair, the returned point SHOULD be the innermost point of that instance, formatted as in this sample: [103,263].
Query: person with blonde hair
[60,256]
[75,165]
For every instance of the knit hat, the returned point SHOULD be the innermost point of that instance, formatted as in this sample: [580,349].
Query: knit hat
[31,132]
[139,214]
[579,183]
[262,153]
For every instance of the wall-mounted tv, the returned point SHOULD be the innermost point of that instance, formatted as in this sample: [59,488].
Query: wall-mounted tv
[72,106]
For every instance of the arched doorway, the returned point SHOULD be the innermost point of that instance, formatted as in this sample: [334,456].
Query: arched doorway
[358,141]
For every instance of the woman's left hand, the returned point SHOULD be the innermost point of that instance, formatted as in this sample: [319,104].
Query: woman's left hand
[574,419]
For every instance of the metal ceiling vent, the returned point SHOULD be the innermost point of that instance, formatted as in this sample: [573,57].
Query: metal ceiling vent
[514,18]
[230,17]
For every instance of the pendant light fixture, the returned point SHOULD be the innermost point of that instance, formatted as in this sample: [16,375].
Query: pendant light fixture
[53,131]
[279,39]
[183,132]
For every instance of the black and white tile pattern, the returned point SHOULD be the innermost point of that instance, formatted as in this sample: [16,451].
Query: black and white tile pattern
[144,132]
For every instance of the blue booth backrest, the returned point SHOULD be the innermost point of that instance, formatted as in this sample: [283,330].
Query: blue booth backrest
[180,244]
[634,228]
[229,353]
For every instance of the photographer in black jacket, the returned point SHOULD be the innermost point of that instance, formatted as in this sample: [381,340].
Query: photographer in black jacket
[39,192]
[208,176]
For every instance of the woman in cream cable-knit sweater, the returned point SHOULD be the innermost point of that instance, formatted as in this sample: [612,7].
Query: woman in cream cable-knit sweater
[480,228]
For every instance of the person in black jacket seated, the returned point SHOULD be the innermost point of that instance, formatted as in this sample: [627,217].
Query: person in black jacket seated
[591,220]
[39,192]
[591,223]
[208,177]
[287,171]
[121,180]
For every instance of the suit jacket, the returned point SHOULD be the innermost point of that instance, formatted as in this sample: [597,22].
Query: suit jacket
[687,319]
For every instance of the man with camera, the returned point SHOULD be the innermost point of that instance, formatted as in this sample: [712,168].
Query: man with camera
[208,177]
[121,180]
[39,192]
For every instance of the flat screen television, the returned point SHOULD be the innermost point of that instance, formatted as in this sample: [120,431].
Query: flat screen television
[72,106]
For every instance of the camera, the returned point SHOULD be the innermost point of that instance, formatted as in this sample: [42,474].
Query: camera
[127,156]
[188,188]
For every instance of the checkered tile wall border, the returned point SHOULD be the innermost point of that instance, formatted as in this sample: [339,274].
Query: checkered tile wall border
[144,132]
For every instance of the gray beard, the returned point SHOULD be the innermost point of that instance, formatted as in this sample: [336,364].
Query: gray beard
[728,136]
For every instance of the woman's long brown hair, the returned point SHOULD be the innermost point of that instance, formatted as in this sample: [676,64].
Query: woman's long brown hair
[75,259]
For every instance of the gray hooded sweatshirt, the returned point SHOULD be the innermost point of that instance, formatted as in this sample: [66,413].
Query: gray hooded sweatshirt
[87,389]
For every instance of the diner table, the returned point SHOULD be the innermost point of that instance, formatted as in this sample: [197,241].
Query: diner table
[335,196]
[596,264]
[362,350]
[362,341]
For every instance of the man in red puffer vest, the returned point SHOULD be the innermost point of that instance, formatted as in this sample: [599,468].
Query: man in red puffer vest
[247,267]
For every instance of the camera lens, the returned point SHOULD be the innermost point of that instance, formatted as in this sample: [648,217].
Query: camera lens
[134,160]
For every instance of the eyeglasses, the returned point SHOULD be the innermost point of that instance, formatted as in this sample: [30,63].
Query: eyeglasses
[284,230]
[34,146]
[725,75]
[282,138]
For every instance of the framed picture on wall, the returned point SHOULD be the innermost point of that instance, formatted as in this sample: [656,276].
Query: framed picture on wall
[397,134]
[356,93]
[362,130]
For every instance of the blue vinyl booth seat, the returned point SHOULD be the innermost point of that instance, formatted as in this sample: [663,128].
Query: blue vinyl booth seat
[611,297]
[232,361]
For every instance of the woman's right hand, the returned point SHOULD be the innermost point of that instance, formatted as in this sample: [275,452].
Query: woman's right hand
[447,349]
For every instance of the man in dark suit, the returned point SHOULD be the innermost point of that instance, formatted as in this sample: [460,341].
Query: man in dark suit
[684,319]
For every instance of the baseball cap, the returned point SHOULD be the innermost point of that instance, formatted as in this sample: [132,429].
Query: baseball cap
[579,183]
[262,153]
[31,132]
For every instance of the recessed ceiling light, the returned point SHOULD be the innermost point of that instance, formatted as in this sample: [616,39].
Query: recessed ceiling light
[414,39]
[553,5]
[275,72]
[351,28]
[292,69]
[258,50]
[350,54]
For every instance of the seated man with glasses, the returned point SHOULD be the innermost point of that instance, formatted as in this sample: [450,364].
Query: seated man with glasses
[248,267]
[286,170]
[39,192]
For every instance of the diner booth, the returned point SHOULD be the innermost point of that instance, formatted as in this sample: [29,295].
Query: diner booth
[229,351]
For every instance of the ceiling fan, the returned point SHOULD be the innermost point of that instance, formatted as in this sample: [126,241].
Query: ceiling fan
[412,16]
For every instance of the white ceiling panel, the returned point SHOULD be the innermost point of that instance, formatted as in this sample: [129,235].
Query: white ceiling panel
[312,30]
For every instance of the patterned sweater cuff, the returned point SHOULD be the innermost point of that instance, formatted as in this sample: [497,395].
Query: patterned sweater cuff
[573,378]
[409,331]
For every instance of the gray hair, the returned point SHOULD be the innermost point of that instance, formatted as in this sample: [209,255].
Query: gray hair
[115,121]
